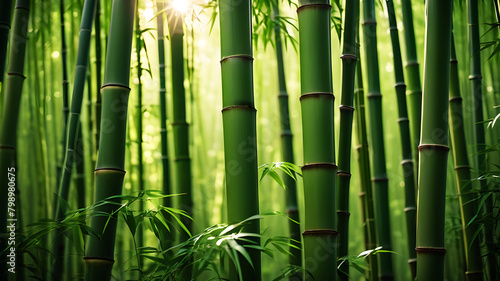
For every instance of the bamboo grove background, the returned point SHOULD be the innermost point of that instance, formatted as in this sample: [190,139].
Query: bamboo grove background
[159,142]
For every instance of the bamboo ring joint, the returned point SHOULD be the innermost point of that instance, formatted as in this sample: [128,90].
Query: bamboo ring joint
[109,169]
[433,147]
[318,94]
[320,232]
[245,107]
[437,250]
[247,57]
[319,165]
[114,85]
[346,107]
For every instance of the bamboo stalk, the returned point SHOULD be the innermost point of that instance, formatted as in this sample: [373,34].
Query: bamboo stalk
[379,171]
[8,127]
[239,125]
[319,170]
[349,60]
[5,18]
[413,90]
[292,209]
[110,171]
[467,195]
[434,140]
[406,146]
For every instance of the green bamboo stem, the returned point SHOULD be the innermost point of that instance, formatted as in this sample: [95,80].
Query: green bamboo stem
[319,170]
[292,209]
[406,146]
[72,130]
[140,168]
[468,196]
[166,183]
[413,89]
[433,142]
[11,94]
[65,82]
[110,171]
[180,127]
[349,59]
[379,172]
[363,159]
[98,78]
[5,18]
[475,82]
[239,124]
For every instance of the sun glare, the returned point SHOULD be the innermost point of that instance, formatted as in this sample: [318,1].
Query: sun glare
[181,5]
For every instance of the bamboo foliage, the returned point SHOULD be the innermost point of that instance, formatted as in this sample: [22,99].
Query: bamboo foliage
[349,60]
[109,173]
[319,170]
[406,146]
[433,143]
[11,94]
[239,123]
[467,196]
[378,165]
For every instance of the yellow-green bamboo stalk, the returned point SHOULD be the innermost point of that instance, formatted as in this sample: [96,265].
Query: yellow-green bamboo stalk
[11,94]
[109,173]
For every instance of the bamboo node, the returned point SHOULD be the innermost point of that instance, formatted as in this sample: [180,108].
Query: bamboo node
[475,272]
[247,57]
[403,120]
[98,260]
[319,166]
[7,147]
[376,95]
[109,169]
[16,74]
[392,28]
[318,94]
[180,123]
[5,25]
[369,22]
[433,147]
[380,179]
[453,61]
[400,84]
[292,210]
[406,161]
[346,107]
[458,99]
[462,167]
[287,134]
[474,77]
[410,209]
[163,91]
[437,250]
[412,261]
[343,174]
[182,158]
[348,57]
[115,85]
[314,5]
[246,107]
[362,194]
[344,213]
[409,93]
[283,94]
[411,63]
[164,157]
[320,232]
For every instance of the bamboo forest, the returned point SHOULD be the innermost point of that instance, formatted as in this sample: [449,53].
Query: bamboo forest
[250,140]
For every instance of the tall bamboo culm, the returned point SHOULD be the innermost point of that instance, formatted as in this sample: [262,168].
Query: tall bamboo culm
[413,89]
[434,142]
[72,130]
[5,18]
[292,209]
[163,105]
[11,93]
[475,80]
[109,173]
[239,123]
[349,60]
[406,145]
[319,170]
[467,196]
[378,164]
[180,127]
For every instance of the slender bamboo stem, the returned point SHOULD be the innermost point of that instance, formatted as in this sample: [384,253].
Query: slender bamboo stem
[319,170]
[413,90]
[433,142]
[98,78]
[406,146]
[239,125]
[292,209]
[379,172]
[8,131]
[467,195]
[110,171]
[349,60]
[5,18]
